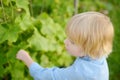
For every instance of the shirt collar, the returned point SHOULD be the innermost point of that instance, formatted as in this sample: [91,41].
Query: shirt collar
[89,59]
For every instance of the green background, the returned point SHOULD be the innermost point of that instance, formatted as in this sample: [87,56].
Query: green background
[38,27]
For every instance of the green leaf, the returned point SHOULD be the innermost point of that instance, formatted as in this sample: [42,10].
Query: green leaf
[44,60]
[38,42]
[2,33]
[11,54]
[6,2]
[24,22]
[9,32]
[17,71]
[3,60]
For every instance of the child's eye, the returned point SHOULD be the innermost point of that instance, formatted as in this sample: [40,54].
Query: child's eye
[71,41]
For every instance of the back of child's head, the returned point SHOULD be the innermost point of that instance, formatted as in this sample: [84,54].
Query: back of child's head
[93,32]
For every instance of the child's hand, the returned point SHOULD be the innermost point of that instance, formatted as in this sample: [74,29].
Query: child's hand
[22,54]
[25,57]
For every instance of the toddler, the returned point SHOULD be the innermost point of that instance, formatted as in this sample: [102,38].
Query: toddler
[89,39]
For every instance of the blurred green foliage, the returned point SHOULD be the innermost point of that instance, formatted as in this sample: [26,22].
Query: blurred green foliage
[38,27]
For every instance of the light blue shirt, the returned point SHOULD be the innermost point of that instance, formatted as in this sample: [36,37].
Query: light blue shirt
[83,68]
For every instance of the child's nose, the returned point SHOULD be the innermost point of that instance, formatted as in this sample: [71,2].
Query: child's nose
[66,42]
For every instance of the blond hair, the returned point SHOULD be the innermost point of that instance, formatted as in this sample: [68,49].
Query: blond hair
[93,32]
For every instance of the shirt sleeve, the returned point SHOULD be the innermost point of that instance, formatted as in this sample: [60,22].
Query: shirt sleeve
[40,73]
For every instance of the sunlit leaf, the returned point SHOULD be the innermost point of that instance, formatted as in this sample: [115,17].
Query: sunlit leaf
[10,33]
[38,42]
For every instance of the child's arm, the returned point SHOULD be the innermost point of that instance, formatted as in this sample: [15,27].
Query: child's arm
[25,57]
[40,73]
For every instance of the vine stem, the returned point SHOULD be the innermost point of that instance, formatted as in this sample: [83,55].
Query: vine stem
[30,7]
[12,10]
[3,11]
[76,6]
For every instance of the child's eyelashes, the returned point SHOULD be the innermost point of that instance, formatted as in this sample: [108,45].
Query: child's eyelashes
[71,41]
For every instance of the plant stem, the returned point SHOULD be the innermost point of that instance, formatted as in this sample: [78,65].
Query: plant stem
[4,15]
